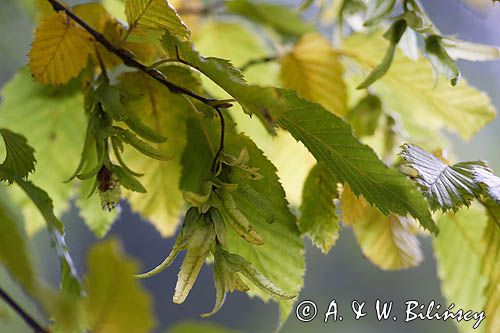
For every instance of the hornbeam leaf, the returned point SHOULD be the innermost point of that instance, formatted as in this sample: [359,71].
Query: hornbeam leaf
[388,241]
[408,88]
[330,140]
[378,10]
[20,156]
[115,301]
[312,68]
[59,51]
[393,35]
[154,15]
[318,217]
[13,252]
[260,101]
[447,186]
[459,250]
[352,207]
[278,17]
[205,327]
[490,268]
[261,201]
[440,60]
[52,119]
[165,113]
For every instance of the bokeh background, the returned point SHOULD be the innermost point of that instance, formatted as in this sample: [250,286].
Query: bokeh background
[343,274]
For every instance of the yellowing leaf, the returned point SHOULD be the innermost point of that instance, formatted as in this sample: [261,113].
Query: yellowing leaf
[312,68]
[352,207]
[13,252]
[318,217]
[409,89]
[154,15]
[388,241]
[491,269]
[60,50]
[52,119]
[116,302]
[165,113]
[458,249]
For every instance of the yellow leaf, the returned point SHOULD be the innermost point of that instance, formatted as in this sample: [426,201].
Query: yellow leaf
[352,207]
[388,241]
[409,88]
[115,301]
[163,112]
[491,270]
[312,68]
[60,50]
[154,15]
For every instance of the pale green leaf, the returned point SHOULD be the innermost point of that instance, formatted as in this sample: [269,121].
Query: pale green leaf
[313,69]
[459,49]
[115,301]
[205,327]
[330,140]
[165,113]
[52,119]
[13,252]
[154,15]
[19,155]
[440,60]
[393,35]
[388,241]
[378,10]
[459,250]
[278,17]
[318,217]
[261,201]
[408,88]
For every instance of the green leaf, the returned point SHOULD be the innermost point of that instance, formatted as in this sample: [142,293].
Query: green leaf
[490,268]
[440,60]
[110,98]
[364,116]
[261,201]
[313,69]
[459,251]
[408,89]
[331,142]
[393,35]
[254,100]
[318,217]
[378,10]
[205,327]
[445,186]
[154,15]
[52,119]
[278,17]
[165,113]
[20,156]
[115,302]
[69,276]
[13,252]
[388,241]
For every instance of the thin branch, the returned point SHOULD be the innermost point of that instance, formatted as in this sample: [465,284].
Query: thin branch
[257,61]
[128,58]
[37,328]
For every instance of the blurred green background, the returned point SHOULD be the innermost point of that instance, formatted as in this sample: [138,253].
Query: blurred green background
[343,275]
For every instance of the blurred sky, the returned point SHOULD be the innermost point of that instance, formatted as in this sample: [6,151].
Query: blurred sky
[343,274]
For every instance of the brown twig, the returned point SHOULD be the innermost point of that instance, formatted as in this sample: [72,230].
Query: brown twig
[258,61]
[37,328]
[128,58]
